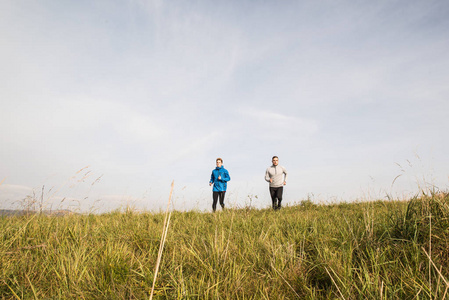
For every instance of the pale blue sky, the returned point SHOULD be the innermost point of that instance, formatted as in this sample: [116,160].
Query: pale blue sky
[348,94]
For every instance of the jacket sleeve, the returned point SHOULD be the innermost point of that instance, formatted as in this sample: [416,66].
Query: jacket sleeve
[267,176]
[225,176]
[228,177]
[212,178]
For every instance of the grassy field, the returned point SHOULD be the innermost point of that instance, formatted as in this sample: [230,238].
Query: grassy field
[369,250]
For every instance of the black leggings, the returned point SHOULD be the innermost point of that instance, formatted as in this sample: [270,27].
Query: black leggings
[276,196]
[217,195]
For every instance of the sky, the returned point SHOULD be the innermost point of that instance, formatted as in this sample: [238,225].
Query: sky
[105,103]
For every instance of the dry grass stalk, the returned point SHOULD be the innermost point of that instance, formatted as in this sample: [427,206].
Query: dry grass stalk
[282,277]
[439,272]
[430,251]
[163,238]
[27,248]
[338,289]
[382,291]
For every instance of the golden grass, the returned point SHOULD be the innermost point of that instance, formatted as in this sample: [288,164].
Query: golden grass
[369,250]
[163,239]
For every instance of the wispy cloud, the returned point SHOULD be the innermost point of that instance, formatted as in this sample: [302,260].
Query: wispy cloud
[275,125]
[13,192]
[147,91]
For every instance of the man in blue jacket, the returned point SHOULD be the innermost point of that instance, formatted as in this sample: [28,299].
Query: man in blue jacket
[219,179]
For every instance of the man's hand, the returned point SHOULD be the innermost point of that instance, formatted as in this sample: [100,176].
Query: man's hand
[285,183]
[219,177]
[271,180]
[210,183]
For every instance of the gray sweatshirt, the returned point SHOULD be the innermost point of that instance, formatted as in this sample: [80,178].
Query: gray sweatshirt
[277,174]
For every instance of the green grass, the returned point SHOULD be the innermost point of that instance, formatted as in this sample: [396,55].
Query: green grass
[369,250]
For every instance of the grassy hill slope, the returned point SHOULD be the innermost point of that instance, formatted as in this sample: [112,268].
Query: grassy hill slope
[372,250]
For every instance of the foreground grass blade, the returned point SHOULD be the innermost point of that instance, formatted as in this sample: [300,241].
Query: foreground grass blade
[163,238]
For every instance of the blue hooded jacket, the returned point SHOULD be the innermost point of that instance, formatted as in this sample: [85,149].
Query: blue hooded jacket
[220,185]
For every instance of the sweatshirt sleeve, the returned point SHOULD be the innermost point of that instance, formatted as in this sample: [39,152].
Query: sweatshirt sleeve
[285,174]
[267,176]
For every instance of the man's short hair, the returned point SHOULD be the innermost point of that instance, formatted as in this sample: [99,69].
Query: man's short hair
[274,157]
[219,159]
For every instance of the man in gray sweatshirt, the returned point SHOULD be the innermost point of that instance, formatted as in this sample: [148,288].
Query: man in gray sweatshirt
[277,177]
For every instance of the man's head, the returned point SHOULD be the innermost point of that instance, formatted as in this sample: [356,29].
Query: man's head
[275,160]
[219,162]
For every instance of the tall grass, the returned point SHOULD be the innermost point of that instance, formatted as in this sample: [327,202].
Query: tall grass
[370,250]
